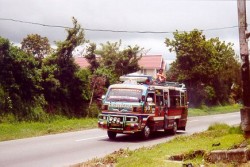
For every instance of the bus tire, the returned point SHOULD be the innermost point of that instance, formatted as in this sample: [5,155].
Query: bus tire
[145,132]
[111,135]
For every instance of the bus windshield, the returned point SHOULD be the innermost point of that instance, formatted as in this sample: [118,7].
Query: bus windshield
[124,95]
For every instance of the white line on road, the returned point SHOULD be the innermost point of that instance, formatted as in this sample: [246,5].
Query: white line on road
[90,138]
[195,120]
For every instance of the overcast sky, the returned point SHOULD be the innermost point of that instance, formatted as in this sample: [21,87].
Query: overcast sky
[125,15]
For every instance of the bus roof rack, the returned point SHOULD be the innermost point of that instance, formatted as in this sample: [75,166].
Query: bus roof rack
[174,84]
[142,78]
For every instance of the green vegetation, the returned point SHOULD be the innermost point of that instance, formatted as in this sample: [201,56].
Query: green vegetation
[204,110]
[17,130]
[11,128]
[38,83]
[208,67]
[227,137]
[36,80]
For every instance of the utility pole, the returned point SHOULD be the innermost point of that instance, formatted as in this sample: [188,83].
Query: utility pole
[244,53]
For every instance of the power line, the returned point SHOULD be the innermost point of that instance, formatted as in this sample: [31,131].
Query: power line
[107,30]
[27,22]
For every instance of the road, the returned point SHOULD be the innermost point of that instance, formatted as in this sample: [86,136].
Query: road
[75,147]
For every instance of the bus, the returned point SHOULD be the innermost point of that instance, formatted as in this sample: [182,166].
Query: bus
[133,107]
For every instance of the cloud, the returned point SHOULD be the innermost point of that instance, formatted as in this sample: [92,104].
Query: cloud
[128,15]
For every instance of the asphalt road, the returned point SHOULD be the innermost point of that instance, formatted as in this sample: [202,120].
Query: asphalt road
[75,147]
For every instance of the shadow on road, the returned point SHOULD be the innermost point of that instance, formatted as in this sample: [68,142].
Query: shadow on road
[134,138]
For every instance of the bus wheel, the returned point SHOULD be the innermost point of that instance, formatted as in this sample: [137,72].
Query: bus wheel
[112,135]
[174,129]
[146,132]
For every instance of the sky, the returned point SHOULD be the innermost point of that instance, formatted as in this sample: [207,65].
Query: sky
[217,18]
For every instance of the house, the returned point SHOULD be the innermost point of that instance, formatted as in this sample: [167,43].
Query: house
[82,62]
[149,64]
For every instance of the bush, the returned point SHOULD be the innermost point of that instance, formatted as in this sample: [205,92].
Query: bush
[235,130]
[218,126]
[93,111]
[38,115]
[8,118]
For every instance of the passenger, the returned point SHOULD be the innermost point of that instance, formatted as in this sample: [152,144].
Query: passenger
[160,77]
[147,82]
[166,99]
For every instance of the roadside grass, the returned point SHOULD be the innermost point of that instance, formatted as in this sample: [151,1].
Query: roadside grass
[11,129]
[228,137]
[18,130]
[204,110]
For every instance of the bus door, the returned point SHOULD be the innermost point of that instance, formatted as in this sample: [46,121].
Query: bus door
[166,106]
[174,96]
[159,102]
[166,101]
[184,106]
[150,105]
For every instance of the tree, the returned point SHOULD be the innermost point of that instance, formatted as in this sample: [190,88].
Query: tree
[112,63]
[208,67]
[36,45]
[19,81]
[91,57]
[121,62]
[64,83]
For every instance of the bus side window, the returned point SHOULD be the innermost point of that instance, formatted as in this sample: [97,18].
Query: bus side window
[175,99]
[183,99]
[172,101]
[159,100]
[165,99]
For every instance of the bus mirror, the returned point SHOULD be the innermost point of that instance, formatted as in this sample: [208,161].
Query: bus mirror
[149,99]
[143,98]
[103,97]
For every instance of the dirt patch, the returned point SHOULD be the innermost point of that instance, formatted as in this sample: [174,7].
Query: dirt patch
[188,156]
[239,155]
[108,161]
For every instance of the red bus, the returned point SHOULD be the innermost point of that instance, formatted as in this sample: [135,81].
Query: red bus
[131,108]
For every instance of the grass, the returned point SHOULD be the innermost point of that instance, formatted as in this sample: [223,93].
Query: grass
[228,137]
[204,110]
[19,130]
[10,129]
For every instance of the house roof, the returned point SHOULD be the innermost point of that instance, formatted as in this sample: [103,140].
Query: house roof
[146,62]
[82,62]
[151,62]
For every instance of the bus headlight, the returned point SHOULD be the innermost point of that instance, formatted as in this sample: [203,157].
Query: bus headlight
[110,119]
[118,120]
[104,107]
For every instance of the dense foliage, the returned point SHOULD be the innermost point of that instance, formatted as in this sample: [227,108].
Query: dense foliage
[64,83]
[208,67]
[20,88]
[120,62]
[36,45]
[32,85]
[36,82]
[109,63]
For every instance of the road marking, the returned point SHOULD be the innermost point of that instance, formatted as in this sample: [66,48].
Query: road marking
[221,116]
[90,138]
[196,120]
